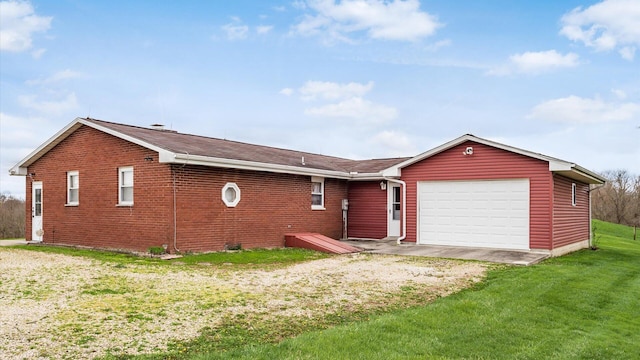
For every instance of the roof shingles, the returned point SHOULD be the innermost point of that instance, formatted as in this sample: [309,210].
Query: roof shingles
[226,149]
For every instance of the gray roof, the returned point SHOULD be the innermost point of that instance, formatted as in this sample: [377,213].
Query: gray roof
[226,149]
[174,147]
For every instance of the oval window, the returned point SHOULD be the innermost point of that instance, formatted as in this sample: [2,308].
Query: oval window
[231,194]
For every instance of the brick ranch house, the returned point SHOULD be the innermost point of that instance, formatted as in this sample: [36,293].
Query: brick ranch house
[107,185]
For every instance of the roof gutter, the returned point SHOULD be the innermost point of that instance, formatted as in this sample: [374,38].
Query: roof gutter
[251,165]
[404,208]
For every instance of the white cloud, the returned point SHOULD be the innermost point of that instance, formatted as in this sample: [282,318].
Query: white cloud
[394,143]
[235,31]
[343,101]
[69,102]
[18,22]
[287,91]
[380,19]
[628,52]
[57,77]
[312,90]
[37,54]
[536,62]
[264,29]
[437,45]
[574,109]
[619,93]
[355,108]
[543,60]
[16,129]
[605,26]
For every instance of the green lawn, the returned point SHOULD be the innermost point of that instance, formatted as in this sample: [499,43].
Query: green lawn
[582,306]
[263,258]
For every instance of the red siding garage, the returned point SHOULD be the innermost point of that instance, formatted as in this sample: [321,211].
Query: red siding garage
[486,163]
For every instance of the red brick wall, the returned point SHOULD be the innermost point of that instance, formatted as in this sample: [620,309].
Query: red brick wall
[271,205]
[570,223]
[486,163]
[97,221]
[367,210]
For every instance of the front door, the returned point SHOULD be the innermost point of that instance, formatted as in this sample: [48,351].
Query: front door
[393,207]
[36,212]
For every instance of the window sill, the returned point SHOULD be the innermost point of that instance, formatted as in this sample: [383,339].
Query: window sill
[317,207]
[71,205]
[124,205]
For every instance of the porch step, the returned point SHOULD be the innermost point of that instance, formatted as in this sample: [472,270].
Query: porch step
[318,242]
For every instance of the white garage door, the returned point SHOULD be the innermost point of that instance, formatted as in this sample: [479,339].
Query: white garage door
[491,213]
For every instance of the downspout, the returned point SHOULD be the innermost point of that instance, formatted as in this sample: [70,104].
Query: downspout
[175,208]
[175,214]
[404,208]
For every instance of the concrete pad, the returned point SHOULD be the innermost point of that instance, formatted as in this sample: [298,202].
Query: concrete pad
[514,257]
[13,242]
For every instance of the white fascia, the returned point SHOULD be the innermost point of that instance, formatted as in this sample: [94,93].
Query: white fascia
[367,176]
[575,172]
[20,169]
[560,166]
[250,165]
[392,172]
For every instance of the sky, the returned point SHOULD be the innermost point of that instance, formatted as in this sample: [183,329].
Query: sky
[354,78]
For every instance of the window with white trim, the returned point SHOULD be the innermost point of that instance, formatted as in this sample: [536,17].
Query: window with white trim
[573,194]
[125,185]
[317,193]
[231,194]
[73,188]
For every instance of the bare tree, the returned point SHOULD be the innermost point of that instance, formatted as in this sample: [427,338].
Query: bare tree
[12,217]
[618,200]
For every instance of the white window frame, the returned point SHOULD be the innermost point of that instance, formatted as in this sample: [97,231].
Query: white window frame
[235,201]
[70,174]
[316,179]
[121,171]
[574,197]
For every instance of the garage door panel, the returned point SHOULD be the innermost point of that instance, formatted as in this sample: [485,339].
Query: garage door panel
[491,213]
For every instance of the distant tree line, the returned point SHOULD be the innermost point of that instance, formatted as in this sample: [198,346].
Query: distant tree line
[12,217]
[618,201]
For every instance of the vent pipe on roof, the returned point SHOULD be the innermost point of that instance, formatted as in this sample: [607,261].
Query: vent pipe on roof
[157,126]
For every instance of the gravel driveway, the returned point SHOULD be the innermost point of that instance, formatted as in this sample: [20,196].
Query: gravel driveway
[58,306]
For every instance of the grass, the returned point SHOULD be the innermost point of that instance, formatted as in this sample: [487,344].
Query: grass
[585,305]
[242,258]
[581,306]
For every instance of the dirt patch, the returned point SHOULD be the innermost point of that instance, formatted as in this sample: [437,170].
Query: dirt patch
[56,306]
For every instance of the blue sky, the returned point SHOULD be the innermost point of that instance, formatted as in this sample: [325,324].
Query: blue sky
[352,78]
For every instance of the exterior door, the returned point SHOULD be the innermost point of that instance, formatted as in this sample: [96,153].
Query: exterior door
[474,213]
[393,207]
[36,212]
